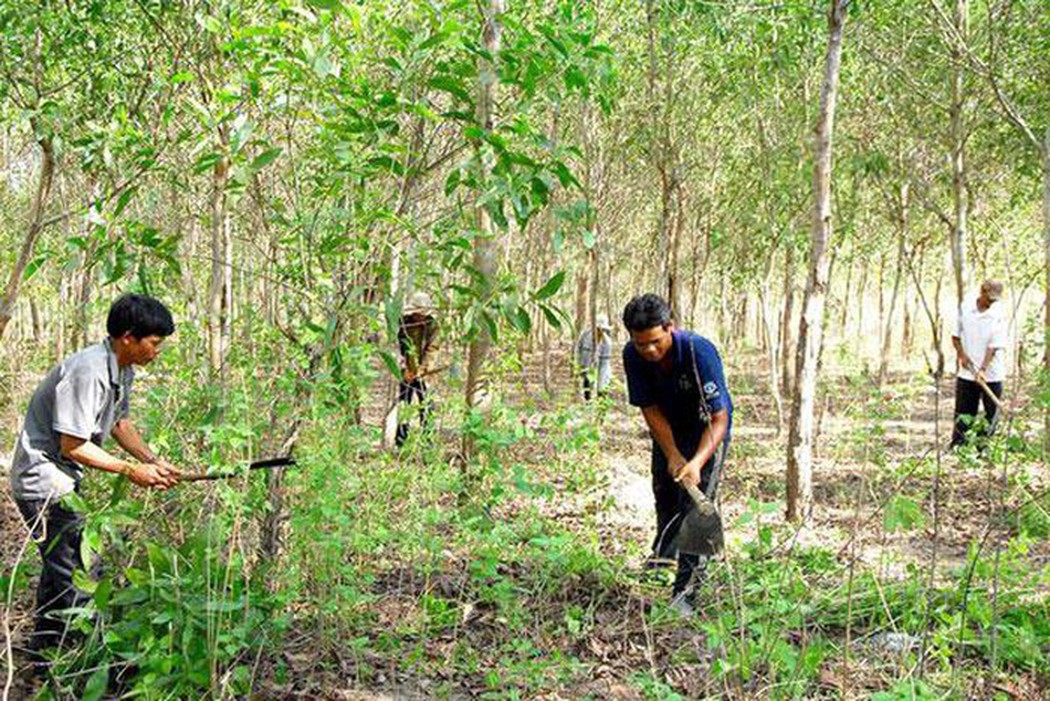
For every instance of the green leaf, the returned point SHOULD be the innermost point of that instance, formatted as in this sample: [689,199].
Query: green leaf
[206,162]
[551,287]
[903,514]
[325,4]
[387,163]
[552,318]
[103,592]
[519,319]
[565,176]
[83,581]
[74,502]
[490,325]
[265,158]
[96,684]
[392,314]
[391,363]
[34,266]
[451,85]
[452,182]
[123,200]
[212,25]
[433,40]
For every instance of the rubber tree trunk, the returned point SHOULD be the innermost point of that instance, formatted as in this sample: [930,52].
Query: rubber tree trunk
[771,341]
[486,246]
[958,135]
[36,224]
[800,442]
[546,247]
[902,229]
[785,321]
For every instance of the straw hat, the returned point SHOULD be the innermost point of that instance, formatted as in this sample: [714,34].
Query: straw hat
[419,303]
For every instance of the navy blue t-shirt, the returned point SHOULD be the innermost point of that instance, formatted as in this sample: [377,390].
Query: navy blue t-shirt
[676,392]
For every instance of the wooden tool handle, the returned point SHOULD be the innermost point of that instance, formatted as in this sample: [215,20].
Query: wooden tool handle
[705,506]
[695,493]
[988,390]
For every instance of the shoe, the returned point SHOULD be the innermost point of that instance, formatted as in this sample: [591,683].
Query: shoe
[682,605]
[654,562]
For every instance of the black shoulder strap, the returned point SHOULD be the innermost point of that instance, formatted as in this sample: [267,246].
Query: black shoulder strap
[705,410]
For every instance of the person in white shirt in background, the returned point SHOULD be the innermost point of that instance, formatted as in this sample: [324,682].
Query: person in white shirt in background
[980,343]
[587,359]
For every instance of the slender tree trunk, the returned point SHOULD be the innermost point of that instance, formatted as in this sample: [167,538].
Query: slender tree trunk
[862,291]
[958,129]
[486,246]
[844,316]
[769,327]
[227,282]
[800,447]
[63,343]
[592,184]
[1046,289]
[675,293]
[879,289]
[938,322]
[546,248]
[216,291]
[38,325]
[724,320]
[907,330]
[785,321]
[887,337]
[83,322]
[582,305]
[36,221]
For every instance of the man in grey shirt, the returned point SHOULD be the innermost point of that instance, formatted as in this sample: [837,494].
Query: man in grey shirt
[590,359]
[84,399]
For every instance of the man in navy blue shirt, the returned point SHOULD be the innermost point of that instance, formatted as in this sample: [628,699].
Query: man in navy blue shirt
[676,378]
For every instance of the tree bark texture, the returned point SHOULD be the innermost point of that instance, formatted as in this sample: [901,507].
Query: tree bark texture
[36,220]
[800,443]
[1046,289]
[958,129]
[486,247]
[216,286]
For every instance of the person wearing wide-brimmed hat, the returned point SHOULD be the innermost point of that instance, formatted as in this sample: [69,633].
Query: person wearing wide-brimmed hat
[591,357]
[980,343]
[416,339]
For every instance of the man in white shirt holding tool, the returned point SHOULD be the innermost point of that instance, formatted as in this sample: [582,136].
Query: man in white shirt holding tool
[980,343]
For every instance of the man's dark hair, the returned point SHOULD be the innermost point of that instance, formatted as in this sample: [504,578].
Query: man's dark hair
[140,316]
[646,311]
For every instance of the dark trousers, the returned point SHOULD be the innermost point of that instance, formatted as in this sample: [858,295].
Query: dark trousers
[968,398]
[57,535]
[673,503]
[416,390]
[587,384]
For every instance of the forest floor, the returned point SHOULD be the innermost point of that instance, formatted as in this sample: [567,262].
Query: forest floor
[592,622]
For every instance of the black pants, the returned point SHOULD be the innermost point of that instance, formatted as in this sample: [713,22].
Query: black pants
[968,398]
[673,503]
[57,535]
[409,391]
[588,385]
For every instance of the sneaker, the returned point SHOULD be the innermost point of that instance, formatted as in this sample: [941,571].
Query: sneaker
[655,562]
[682,605]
